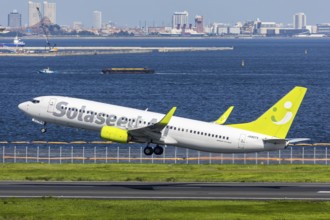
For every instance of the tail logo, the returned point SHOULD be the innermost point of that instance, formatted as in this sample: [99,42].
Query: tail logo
[287,117]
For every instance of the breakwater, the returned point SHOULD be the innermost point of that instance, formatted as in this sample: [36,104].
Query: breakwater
[76,51]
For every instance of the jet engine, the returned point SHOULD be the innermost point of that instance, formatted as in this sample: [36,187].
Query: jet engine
[114,134]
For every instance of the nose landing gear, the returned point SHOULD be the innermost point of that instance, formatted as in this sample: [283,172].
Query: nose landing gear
[44,129]
[158,150]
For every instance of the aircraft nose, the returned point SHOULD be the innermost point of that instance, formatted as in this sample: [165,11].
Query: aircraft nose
[23,106]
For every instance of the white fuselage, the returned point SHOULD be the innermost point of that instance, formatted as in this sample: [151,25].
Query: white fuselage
[181,132]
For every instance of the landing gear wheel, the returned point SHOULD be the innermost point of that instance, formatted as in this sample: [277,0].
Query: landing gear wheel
[43,130]
[158,150]
[148,151]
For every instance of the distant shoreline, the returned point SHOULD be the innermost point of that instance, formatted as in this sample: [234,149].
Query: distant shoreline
[167,38]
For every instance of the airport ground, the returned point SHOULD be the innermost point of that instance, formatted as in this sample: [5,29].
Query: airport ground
[49,207]
[165,172]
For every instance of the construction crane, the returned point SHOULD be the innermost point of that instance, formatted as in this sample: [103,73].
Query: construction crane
[44,29]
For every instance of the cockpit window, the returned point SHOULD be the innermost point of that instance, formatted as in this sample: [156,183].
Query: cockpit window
[35,101]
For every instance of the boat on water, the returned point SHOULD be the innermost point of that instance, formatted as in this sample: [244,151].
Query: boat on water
[3,30]
[46,71]
[17,42]
[128,71]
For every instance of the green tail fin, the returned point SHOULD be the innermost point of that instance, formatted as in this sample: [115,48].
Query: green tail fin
[277,120]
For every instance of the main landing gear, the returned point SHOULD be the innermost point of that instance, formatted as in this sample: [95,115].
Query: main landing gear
[158,150]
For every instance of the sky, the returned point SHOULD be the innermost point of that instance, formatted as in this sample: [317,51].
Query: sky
[134,13]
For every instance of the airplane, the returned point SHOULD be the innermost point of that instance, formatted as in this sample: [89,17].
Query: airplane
[128,125]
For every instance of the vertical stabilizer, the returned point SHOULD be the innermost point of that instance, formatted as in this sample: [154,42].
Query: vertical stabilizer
[277,120]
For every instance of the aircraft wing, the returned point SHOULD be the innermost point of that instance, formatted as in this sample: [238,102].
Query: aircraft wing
[152,131]
[223,118]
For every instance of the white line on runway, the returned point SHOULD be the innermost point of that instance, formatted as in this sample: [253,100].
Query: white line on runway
[323,192]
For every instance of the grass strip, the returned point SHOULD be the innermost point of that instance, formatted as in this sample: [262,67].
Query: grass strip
[165,172]
[52,208]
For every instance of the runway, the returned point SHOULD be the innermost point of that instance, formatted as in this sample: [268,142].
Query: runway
[166,191]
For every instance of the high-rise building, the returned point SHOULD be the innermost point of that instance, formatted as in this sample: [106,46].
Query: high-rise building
[14,19]
[299,21]
[97,19]
[199,23]
[77,25]
[50,11]
[180,20]
[33,13]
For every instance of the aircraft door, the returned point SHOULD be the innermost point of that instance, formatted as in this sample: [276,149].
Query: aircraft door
[241,142]
[51,105]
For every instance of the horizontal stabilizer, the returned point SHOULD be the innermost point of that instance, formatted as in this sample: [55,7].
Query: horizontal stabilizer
[296,140]
[275,141]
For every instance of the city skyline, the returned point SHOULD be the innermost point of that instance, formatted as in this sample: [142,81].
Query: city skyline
[158,13]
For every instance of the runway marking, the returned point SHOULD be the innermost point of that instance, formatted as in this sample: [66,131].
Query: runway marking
[324,192]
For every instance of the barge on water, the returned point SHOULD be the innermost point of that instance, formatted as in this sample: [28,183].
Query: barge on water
[128,71]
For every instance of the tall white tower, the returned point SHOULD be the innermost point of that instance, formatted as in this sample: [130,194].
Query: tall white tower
[97,19]
[180,19]
[299,21]
[33,13]
[50,11]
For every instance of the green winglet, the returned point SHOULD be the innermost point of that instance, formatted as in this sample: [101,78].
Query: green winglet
[167,117]
[223,118]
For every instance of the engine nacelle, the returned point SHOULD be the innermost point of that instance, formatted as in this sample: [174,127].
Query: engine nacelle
[114,134]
